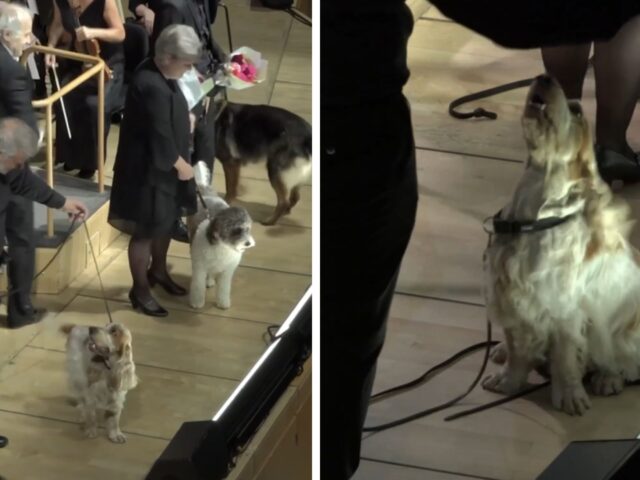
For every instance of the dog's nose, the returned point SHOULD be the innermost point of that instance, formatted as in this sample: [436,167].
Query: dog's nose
[544,79]
[247,243]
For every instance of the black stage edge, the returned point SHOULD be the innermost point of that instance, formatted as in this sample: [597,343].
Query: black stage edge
[207,449]
[69,186]
[596,460]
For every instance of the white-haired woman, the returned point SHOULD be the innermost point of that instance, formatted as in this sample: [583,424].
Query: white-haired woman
[153,181]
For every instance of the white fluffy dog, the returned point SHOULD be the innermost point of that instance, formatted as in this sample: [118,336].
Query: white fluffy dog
[219,235]
[566,291]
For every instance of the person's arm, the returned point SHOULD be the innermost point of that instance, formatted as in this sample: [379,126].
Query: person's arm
[53,34]
[164,151]
[114,33]
[25,183]
[15,95]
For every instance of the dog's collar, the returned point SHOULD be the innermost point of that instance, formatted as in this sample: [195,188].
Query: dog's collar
[515,227]
[100,359]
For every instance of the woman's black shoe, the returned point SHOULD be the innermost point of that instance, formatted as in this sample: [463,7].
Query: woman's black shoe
[3,441]
[67,168]
[86,173]
[169,285]
[150,307]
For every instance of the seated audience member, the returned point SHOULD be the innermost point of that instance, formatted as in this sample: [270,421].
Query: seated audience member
[99,20]
[153,180]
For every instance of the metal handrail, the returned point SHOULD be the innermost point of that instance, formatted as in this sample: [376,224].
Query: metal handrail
[47,103]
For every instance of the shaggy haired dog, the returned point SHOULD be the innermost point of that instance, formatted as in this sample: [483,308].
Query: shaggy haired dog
[101,372]
[566,289]
[219,235]
[254,133]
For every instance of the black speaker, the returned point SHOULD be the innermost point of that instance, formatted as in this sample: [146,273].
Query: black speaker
[596,460]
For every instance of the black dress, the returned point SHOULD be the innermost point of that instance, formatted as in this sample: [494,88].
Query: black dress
[147,197]
[82,103]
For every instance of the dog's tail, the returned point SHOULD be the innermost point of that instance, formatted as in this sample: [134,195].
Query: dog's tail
[66,328]
[202,176]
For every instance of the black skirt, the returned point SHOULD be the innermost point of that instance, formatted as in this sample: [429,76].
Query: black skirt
[147,211]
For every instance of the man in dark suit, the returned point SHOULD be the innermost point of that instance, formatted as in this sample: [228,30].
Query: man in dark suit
[17,211]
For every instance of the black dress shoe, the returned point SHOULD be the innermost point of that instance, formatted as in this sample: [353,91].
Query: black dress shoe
[86,173]
[616,166]
[180,232]
[3,441]
[21,316]
[169,285]
[150,307]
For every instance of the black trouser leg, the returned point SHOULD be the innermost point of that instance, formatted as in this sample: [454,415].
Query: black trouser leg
[369,201]
[20,240]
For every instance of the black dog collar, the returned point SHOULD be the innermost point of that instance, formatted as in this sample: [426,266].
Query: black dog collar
[515,227]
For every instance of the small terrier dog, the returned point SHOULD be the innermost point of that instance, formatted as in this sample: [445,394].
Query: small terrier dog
[101,372]
[219,235]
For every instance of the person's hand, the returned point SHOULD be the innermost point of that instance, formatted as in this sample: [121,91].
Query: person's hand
[75,208]
[147,20]
[192,121]
[84,33]
[185,172]
[50,60]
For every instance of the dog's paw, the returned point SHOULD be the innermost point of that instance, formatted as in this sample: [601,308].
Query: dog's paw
[90,432]
[211,281]
[501,382]
[196,301]
[571,399]
[223,304]
[606,384]
[117,437]
[499,354]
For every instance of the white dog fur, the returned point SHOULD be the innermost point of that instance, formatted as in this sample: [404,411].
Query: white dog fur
[101,372]
[569,296]
[219,235]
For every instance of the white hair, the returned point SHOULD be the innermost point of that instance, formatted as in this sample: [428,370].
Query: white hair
[178,42]
[17,138]
[11,16]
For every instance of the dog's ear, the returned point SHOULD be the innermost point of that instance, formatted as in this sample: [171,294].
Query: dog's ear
[212,232]
[66,328]
[124,378]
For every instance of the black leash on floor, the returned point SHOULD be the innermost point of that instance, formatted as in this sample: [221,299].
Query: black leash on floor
[433,371]
[481,112]
[95,262]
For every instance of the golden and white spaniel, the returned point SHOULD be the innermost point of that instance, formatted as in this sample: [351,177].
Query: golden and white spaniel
[565,288]
[101,372]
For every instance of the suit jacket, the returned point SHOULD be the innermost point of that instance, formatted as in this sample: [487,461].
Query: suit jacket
[16,90]
[155,130]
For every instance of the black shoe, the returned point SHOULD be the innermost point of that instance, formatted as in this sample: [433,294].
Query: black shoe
[180,232]
[86,173]
[169,285]
[21,317]
[616,166]
[3,441]
[150,307]
[67,168]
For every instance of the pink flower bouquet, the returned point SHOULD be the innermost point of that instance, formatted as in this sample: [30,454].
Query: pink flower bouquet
[245,69]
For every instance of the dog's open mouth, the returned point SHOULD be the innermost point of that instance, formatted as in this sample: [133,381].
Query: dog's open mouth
[536,101]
